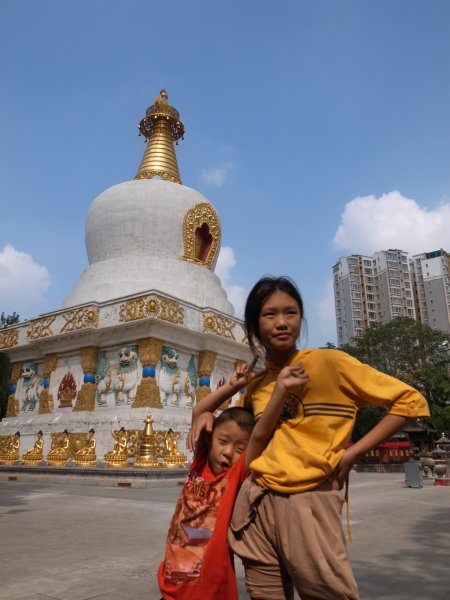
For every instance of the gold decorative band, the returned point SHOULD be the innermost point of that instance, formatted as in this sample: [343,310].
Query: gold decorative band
[152,306]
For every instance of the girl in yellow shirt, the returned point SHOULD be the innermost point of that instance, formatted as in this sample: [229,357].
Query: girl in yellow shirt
[286,525]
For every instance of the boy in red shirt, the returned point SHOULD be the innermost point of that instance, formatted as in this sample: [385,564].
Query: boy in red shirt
[198,564]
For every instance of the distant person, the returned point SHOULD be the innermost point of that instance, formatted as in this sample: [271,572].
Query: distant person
[286,525]
[198,564]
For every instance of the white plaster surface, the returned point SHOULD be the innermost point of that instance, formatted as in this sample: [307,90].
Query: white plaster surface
[134,243]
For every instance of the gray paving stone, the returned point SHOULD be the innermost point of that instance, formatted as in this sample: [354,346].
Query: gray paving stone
[92,542]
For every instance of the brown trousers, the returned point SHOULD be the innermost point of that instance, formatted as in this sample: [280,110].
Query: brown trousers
[292,540]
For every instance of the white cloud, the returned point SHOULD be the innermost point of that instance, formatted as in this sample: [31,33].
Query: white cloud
[225,262]
[324,309]
[23,282]
[216,176]
[237,295]
[369,224]
[325,304]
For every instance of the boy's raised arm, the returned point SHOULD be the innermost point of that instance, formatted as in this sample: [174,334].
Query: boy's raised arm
[240,378]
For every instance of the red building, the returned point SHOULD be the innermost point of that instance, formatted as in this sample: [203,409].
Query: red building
[388,452]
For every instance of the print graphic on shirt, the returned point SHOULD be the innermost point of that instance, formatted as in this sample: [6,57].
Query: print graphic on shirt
[192,527]
[292,408]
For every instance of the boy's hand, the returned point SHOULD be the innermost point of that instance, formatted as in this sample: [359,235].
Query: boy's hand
[244,374]
[202,417]
[293,378]
[204,422]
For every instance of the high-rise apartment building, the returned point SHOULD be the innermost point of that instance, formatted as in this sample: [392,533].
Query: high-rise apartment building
[394,297]
[369,290]
[432,288]
[354,295]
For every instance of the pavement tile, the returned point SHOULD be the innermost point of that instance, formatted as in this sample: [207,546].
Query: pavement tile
[38,597]
[72,542]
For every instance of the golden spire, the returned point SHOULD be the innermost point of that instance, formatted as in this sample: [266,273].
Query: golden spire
[161,127]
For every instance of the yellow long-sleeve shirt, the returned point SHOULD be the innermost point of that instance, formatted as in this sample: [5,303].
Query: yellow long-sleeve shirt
[315,429]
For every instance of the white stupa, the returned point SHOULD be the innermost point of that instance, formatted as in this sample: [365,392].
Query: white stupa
[147,325]
[136,238]
[153,232]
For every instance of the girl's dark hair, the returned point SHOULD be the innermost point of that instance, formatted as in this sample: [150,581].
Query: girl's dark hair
[256,298]
[243,417]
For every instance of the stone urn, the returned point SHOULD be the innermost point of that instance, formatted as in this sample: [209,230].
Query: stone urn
[440,468]
[427,463]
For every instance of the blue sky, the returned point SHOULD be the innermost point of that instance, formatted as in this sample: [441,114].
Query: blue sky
[317,129]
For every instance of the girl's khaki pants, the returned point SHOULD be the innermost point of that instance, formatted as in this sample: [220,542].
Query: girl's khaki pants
[292,540]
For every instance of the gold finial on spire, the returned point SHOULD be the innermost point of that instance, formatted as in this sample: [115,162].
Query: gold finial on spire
[161,127]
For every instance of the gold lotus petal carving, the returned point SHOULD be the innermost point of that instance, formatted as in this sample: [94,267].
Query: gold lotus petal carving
[80,318]
[132,310]
[40,328]
[219,325]
[152,306]
[10,338]
[156,172]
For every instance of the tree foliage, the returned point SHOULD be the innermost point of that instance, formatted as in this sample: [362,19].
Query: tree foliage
[6,321]
[366,419]
[414,353]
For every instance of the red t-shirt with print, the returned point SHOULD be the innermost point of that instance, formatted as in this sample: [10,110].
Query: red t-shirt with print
[198,564]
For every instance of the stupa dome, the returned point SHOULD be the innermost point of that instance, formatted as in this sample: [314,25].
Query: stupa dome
[153,233]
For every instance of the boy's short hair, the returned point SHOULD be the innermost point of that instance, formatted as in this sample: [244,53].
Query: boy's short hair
[243,417]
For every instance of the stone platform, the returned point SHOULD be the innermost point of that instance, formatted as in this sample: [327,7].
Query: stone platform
[102,476]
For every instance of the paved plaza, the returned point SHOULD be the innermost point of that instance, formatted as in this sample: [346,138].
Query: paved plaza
[85,542]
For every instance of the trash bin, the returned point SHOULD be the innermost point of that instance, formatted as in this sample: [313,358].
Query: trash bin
[413,475]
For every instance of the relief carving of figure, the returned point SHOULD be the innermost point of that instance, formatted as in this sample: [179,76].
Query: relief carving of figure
[121,380]
[169,377]
[29,387]
[190,382]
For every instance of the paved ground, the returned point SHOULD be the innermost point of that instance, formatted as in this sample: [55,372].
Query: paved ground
[85,542]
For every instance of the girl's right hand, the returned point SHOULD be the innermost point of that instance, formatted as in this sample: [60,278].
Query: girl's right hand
[204,422]
[293,378]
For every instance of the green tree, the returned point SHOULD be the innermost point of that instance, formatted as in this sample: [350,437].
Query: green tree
[366,419]
[328,346]
[440,417]
[412,352]
[8,320]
